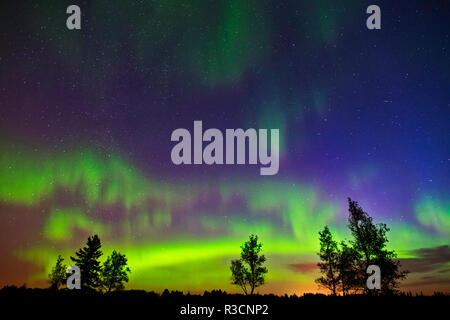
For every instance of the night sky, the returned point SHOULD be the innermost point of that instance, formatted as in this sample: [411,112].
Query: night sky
[86,118]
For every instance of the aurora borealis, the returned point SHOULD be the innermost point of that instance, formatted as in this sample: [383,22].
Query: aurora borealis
[86,118]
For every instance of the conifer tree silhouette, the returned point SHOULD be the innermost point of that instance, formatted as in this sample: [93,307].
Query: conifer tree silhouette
[88,261]
[329,255]
[58,274]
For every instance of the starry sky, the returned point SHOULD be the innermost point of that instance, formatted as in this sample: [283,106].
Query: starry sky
[86,118]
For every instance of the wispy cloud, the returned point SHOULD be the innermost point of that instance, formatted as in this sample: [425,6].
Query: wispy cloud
[429,259]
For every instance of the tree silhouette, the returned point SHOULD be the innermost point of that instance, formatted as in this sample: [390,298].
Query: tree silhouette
[369,241]
[58,274]
[249,270]
[87,260]
[347,268]
[114,272]
[238,273]
[329,255]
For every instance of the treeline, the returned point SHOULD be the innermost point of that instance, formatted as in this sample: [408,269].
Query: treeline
[12,290]
[106,277]
[167,305]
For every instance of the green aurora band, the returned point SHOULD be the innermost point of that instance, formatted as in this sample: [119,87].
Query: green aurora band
[162,253]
